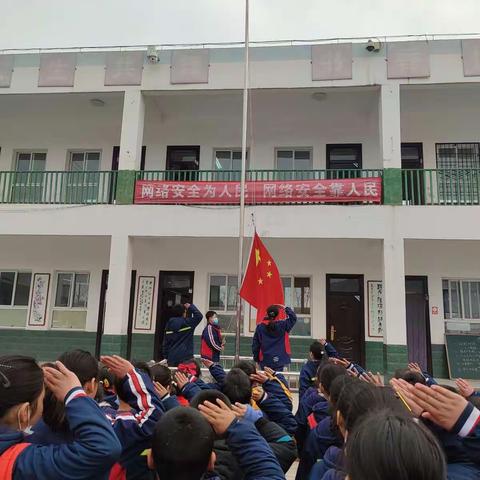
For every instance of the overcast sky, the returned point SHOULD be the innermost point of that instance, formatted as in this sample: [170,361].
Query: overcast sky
[80,23]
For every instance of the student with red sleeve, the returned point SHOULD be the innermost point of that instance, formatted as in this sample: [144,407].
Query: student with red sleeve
[212,341]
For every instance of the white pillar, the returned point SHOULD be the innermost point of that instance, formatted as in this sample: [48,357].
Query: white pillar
[395,324]
[389,125]
[131,139]
[118,292]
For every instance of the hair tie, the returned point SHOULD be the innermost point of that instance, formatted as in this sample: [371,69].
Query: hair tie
[4,381]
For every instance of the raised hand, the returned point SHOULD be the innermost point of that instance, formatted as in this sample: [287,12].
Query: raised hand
[322,341]
[270,373]
[259,377]
[117,365]
[239,409]
[60,381]
[207,363]
[414,367]
[160,389]
[401,388]
[219,416]
[465,389]
[181,379]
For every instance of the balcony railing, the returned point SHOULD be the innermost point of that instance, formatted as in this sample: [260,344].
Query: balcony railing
[58,187]
[441,187]
[255,175]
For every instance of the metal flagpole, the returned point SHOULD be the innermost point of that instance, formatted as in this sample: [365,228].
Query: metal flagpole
[241,231]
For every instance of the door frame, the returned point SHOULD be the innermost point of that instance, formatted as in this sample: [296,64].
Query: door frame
[331,146]
[101,313]
[171,148]
[424,279]
[360,277]
[159,334]
[419,145]
[131,306]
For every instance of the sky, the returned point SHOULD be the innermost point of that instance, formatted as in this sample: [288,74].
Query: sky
[84,23]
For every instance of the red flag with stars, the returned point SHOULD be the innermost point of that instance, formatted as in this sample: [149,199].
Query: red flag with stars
[262,285]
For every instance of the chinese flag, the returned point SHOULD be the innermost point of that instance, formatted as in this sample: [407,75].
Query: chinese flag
[262,285]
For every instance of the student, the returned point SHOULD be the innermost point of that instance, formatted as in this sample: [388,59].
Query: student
[53,427]
[172,460]
[178,342]
[162,378]
[282,444]
[391,446]
[212,342]
[95,447]
[308,373]
[271,342]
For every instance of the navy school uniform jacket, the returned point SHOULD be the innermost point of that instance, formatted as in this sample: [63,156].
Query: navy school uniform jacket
[277,386]
[308,375]
[310,398]
[178,342]
[277,412]
[211,345]
[271,348]
[468,428]
[95,449]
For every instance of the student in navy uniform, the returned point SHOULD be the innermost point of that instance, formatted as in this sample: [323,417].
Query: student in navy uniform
[271,342]
[178,342]
[308,373]
[95,447]
[212,341]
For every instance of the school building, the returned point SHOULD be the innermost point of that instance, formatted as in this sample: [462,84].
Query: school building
[84,264]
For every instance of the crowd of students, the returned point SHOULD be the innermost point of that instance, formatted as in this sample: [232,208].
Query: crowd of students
[77,418]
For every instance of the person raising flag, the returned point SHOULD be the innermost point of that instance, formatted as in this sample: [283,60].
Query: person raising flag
[262,288]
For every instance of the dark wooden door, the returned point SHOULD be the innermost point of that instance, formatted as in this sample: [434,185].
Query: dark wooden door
[418,324]
[173,288]
[116,155]
[413,181]
[183,162]
[344,159]
[345,315]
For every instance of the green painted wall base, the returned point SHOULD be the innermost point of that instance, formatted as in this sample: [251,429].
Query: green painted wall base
[125,187]
[394,356]
[374,357]
[439,361]
[114,345]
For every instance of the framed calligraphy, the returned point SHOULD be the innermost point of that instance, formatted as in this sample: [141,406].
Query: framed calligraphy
[376,317]
[37,316]
[145,294]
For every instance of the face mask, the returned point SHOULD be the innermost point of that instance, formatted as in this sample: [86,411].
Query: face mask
[215,321]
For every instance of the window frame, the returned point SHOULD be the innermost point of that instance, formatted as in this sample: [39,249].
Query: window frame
[462,318]
[293,150]
[231,150]
[31,152]
[72,290]
[226,311]
[71,151]
[12,305]
[438,145]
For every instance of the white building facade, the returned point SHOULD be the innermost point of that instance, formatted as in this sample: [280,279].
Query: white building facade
[82,265]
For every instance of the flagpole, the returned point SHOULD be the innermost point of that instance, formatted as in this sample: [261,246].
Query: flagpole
[241,231]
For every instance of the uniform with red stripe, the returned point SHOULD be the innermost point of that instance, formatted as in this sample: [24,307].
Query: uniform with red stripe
[134,428]
[212,341]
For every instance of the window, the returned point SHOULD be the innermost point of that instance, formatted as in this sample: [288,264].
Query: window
[29,177]
[83,179]
[223,299]
[84,161]
[461,299]
[15,289]
[294,159]
[72,290]
[228,161]
[297,293]
[456,182]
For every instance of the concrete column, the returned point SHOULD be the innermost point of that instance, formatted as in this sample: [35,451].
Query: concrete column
[131,141]
[395,325]
[118,296]
[390,142]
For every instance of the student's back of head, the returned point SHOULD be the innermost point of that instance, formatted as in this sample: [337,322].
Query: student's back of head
[327,373]
[337,386]
[209,396]
[182,445]
[317,351]
[161,374]
[177,311]
[248,366]
[410,376]
[237,386]
[389,446]
[85,366]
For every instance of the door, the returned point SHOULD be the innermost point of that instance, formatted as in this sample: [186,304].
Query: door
[83,179]
[345,315]
[116,155]
[418,322]
[173,288]
[29,178]
[413,181]
[183,162]
[344,160]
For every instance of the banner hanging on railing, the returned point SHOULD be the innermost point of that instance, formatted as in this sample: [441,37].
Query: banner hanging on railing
[353,190]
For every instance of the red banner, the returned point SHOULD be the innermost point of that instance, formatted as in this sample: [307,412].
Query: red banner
[352,190]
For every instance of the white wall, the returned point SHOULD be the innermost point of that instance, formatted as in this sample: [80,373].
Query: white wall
[52,254]
[439,114]
[57,123]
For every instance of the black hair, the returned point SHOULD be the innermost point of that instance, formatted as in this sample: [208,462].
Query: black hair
[178,310]
[272,312]
[209,396]
[337,386]
[110,382]
[53,409]
[410,376]
[387,445]
[21,381]
[82,363]
[317,350]
[143,367]
[210,314]
[161,374]
[177,429]
[327,373]
[237,386]
[248,366]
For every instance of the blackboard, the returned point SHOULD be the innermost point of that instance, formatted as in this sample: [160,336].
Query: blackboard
[463,356]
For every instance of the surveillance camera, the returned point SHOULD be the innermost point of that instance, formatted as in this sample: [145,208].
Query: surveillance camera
[152,55]
[373,45]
